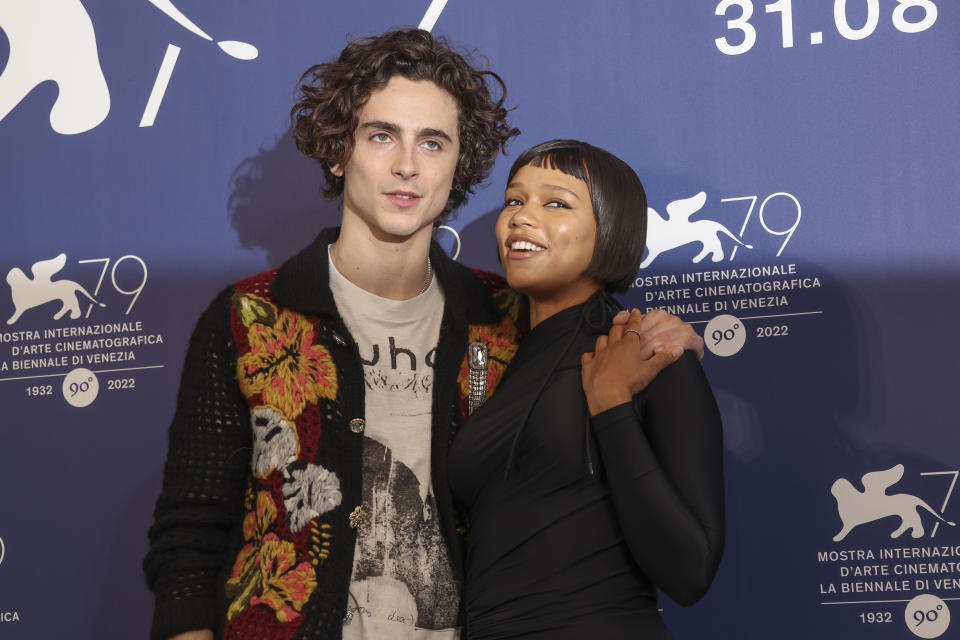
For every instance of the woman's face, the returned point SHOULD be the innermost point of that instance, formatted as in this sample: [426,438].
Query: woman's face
[546,234]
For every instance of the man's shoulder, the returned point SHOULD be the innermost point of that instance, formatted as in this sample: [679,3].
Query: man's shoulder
[509,303]
[246,300]
[494,282]
[259,284]
[511,306]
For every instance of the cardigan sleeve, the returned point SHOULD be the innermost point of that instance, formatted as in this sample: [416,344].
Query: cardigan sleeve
[205,474]
[663,459]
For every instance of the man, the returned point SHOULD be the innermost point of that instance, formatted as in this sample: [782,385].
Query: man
[305,491]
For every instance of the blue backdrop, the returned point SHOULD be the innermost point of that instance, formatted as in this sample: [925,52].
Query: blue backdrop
[801,167]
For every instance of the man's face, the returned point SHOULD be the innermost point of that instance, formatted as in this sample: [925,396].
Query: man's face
[406,145]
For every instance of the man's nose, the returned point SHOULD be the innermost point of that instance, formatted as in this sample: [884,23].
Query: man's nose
[405,163]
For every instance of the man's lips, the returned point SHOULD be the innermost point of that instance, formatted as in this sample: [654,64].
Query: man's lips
[403,198]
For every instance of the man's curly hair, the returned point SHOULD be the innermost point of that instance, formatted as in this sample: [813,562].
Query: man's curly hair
[332,94]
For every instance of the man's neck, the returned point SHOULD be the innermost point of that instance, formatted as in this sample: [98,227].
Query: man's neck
[394,268]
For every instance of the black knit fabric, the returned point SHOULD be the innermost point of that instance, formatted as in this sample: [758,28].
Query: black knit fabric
[224,552]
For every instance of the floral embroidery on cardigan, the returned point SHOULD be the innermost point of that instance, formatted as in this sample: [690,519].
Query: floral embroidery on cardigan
[275,441]
[266,571]
[309,490]
[253,309]
[284,365]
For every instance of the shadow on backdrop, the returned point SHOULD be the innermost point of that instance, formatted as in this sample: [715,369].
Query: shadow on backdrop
[128,536]
[778,400]
[275,204]
[799,414]
[479,243]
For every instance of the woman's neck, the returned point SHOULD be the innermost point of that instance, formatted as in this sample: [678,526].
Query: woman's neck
[543,306]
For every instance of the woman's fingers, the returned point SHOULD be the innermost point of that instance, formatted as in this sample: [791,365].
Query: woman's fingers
[601,343]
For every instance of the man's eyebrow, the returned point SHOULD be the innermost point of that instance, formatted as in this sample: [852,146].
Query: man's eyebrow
[394,128]
[434,133]
[379,124]
[553,187]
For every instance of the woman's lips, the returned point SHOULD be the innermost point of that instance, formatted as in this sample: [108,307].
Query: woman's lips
[523,247]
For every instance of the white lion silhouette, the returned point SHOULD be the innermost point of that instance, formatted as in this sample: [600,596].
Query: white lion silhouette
[27,293]
[54,40]
[677,230]
[873,503]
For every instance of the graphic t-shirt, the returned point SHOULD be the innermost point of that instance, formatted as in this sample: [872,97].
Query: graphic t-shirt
[403,584]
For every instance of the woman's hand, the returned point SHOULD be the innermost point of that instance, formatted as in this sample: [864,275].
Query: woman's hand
[660,331]
[620,367]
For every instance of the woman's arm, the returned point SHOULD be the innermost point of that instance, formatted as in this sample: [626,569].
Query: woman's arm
[663,456]
[665,471]
[207,464]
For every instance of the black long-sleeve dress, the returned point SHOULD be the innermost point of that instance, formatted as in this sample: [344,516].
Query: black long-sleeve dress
[595,513]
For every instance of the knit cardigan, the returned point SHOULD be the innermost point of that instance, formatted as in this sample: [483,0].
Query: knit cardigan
[254,530]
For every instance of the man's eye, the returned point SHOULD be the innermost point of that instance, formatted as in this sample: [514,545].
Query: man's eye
[512,202]
[380,137]
[432,145]
[558,204]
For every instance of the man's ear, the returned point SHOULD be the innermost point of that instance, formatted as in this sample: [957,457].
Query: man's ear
[336,169]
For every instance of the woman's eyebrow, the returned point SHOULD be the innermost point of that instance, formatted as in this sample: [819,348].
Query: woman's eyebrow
[556,187]
[552,187]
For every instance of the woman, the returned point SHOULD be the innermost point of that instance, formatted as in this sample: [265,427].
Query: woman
[587,485]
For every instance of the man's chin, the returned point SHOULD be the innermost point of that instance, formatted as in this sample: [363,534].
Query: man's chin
[401,231]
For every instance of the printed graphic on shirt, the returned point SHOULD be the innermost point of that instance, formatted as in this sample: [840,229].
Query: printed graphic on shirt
[397,369]
[398,372]
[402,584]
[401,554]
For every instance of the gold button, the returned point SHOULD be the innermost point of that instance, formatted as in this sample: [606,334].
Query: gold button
[357,516]
[356,425]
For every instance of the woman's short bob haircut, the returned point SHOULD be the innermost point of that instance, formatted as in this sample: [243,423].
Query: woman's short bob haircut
[619,205]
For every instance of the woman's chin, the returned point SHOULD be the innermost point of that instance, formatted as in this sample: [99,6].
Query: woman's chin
[520,284]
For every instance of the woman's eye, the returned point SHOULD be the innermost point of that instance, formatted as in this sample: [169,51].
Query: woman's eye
[512,202]
[558,204]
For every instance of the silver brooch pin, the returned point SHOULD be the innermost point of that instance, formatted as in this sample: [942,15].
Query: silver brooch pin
[477,358]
